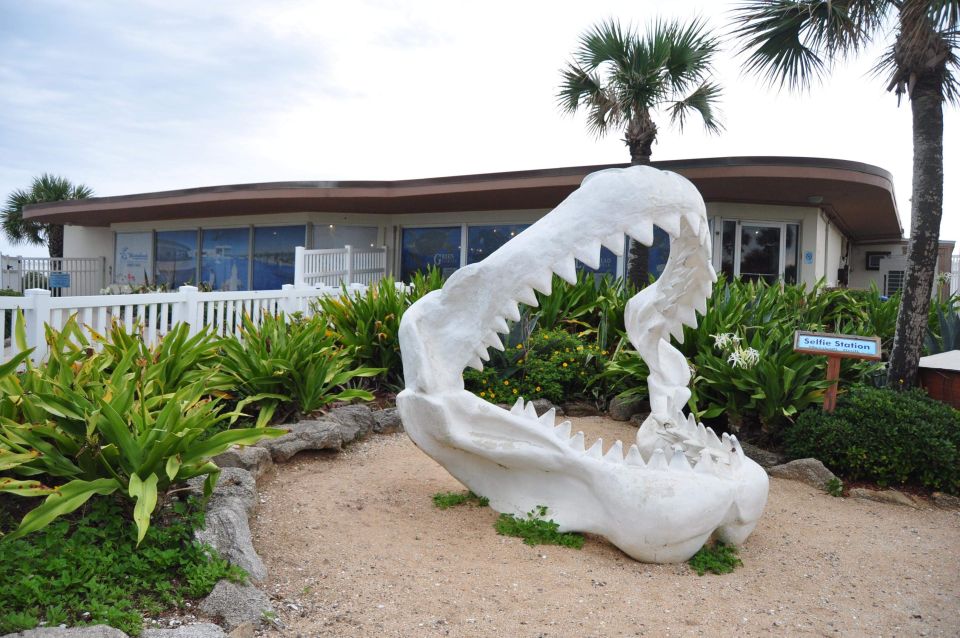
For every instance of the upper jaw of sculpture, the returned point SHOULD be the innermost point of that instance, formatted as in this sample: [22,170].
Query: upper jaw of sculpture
[679,483]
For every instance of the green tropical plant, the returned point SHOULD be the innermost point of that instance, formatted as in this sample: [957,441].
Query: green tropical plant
[947,336]
[94,424]
[296,365]
[46,188]
[794,42]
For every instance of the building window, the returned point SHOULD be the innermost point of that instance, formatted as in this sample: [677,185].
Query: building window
[133,258]
[224,258]
[273,255]
[728,248]
[328,236]
[423,247]
[892,282]
[175,258]
[483,240]
[760,250]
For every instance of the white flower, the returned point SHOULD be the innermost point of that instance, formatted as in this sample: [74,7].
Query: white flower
[736,359]
[751,357]
[743,358]
[721,340]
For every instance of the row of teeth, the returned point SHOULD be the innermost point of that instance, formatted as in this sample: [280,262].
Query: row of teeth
[698,289]
[707,458]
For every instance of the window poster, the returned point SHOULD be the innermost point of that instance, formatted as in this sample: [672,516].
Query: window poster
[133,260]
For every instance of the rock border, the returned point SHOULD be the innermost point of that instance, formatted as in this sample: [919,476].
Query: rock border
[240,609]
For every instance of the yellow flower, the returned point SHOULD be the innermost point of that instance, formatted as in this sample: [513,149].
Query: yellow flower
[505,382]
[537,388]
[483,394]
[519,361]
[514,390]
[603,352]
[564,364]
[579,348]
[519,346]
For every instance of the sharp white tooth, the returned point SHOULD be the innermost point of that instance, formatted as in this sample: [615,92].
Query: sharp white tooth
[500,324]
[687,316]
[577,442]
[614,243]
[566,269]
[676,330]
[526,295]
[658,461]
[482,353]
[694,220]
[670,223]
[590,253]
[596,450]
[712,439]
[492,340]
[517,407]
[562,431]
[679,460]
[705,465]
[643,233]
[476,364]
[549,417]
[542,281]
[700,305]
[511,311]
[692,423]
[530,411]
[725,440]
[634,457]
[735,447]
[615,453]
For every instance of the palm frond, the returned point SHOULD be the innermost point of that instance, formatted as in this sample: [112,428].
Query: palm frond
[603,43]
[46,188]
[703,101]
[792,42]
[691,53]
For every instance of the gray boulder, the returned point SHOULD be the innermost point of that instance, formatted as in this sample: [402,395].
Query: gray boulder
[232,605]
[93,631]
[256,460]
[387,421]
[322,434]
[227,527]
[356,421]
[892,497]
[198,630]
[946,501]
[809,471]
[580,408]
[623,408]
[544,405]
[764,458]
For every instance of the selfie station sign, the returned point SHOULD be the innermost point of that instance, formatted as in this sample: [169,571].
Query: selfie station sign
[835,347]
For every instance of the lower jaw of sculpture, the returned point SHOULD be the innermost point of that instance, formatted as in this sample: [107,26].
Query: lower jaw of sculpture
[655,509]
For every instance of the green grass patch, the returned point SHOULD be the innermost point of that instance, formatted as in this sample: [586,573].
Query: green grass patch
[535,530]
[444,500]
[86,569]
[718,558]
[835,487]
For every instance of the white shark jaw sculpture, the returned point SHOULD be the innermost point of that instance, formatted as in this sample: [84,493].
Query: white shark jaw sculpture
[659,499]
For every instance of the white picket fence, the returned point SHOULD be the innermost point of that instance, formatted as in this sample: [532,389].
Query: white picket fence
[87,275]
[330,267]
[154,313]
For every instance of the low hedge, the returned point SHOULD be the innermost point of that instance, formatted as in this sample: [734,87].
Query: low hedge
[884,436]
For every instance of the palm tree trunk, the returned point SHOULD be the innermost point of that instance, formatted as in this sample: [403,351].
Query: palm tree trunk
[926,210]
[641,133]
[55,240]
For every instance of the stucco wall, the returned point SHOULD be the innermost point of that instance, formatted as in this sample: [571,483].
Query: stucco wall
[89,241]
[860,277]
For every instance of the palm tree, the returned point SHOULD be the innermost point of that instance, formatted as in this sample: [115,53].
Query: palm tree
[794,42]
[46,188]
[621,78]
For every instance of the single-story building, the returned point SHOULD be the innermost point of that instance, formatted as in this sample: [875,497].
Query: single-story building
[775,218]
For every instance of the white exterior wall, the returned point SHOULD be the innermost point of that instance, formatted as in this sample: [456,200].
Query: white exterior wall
[90,241]
[860,277]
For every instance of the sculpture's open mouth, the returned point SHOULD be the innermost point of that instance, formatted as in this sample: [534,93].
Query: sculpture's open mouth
[660,498]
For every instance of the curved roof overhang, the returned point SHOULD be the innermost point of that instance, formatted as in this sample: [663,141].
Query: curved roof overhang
[858,197]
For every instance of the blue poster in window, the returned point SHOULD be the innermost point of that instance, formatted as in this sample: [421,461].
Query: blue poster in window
[425,247]
[608,263]
[175,261]
[482,241]
[273,255]
[224,258]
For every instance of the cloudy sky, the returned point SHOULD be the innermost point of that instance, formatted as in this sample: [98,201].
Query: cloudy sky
[130,96]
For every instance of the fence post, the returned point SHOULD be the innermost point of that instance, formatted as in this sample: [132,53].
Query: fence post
[288,303]
[103,273]
[298,266]
[187,310]
[36,316]
[349,250]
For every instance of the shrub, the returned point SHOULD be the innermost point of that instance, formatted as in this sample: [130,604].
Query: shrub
[880,435]
[551,364]
[101,423]
[296,364]
[90,570]
[718,558]
[536,530]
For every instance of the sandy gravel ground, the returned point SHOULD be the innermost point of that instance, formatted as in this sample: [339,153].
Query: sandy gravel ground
[355,547]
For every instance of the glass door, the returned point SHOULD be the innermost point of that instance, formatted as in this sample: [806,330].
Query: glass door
[760,250]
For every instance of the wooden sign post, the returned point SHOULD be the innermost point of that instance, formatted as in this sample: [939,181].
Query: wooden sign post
[835,347]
